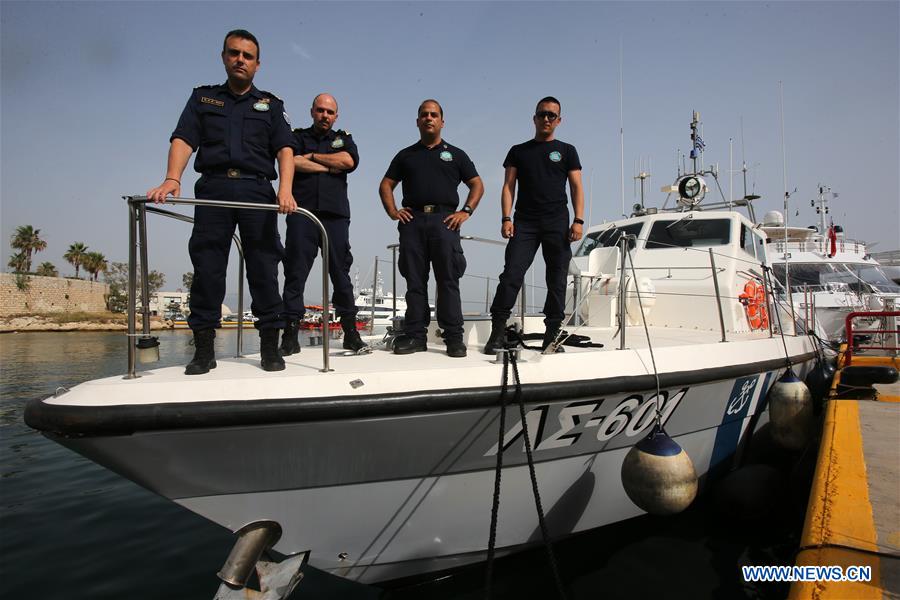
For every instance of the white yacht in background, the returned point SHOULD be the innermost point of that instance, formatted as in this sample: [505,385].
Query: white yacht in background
[830,274]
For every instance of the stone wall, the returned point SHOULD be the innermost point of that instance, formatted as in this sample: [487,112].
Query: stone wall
[50,294]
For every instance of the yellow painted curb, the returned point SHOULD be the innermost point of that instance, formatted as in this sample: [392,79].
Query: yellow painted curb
[839,527]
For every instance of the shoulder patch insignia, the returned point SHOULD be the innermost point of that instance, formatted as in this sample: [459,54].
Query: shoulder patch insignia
[287,118]
[446,156]
[337,143]
[212,101]
[555,156]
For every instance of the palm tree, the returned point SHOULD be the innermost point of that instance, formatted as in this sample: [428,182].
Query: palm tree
[94,263]
[28,240]
[75,255]
[46,269]
[17,262]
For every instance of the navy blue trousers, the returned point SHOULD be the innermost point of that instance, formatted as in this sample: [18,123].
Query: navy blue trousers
[302,244]
[552,235]
[425,243]
[211,243]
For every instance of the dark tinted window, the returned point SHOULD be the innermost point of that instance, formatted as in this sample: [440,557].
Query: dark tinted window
[689,232]
[608,237]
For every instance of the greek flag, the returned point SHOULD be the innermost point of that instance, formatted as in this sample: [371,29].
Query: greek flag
[698,143]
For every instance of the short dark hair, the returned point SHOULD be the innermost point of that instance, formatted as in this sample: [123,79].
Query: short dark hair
[548,99]
[243,34]
[424,102]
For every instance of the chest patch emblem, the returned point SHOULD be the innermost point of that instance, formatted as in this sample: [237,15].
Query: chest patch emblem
[261,106]
[212,101]
[555,156]
[446,156]
[337,143]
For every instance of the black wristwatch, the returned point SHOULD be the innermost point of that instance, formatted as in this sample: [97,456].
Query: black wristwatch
[505,219]
[466,209]
[578,222]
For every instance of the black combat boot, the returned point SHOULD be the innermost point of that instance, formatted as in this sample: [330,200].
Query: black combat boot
[290,340]
[270,357]
[498,336]
[550,336]
[352,341]
[204,353]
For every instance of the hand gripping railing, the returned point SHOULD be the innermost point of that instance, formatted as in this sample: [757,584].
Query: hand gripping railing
[137,236]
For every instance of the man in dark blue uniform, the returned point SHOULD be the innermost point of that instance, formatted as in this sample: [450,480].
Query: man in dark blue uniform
[541,167]
[322,159]
[237,131]
[431,170]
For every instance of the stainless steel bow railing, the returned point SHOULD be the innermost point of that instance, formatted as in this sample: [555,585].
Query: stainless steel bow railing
[137,238]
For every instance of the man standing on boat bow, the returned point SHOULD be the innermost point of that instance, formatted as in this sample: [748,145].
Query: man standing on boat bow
[431,171]
[237,130]
[323,158]
[541,167]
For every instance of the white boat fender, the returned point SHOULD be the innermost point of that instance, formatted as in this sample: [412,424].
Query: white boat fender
[658,475]
[147,349]
[791,411]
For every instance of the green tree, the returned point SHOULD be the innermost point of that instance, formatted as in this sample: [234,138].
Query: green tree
[94,263]
[47,269]
[28,240]
[187,280]
[75,255]
[116,276]
[17,262]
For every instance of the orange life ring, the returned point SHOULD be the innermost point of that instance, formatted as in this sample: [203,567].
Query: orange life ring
[754,301]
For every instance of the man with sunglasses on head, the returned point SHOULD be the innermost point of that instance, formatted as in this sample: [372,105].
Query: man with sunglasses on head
[431,171]
[324,157]
[540,167]
[238,132]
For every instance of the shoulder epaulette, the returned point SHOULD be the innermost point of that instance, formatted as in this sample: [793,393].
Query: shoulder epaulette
[265,93]
[206,87]
[344,132]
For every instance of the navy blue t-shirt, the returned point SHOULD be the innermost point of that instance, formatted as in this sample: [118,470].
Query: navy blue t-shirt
[431,176]
[234,132]
[323,192]
[542,170]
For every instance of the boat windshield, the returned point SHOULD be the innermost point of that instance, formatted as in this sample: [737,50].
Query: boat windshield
[606,238]
[689,232]
[838,277]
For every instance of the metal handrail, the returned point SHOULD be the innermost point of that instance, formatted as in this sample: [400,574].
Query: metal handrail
[137,215]
[848,324]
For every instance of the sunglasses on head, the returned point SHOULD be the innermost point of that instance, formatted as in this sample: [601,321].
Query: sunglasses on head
[546,114]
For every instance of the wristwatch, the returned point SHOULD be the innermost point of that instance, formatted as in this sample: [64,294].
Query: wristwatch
[466,209]
[505,219]
[578,222]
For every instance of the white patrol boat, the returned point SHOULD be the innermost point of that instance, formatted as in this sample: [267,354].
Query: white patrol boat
[830,275]
[383,466]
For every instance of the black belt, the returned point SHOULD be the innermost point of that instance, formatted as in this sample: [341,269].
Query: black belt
[433,208]
[234,174]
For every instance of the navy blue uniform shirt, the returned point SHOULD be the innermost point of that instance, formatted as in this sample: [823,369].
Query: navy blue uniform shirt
[323,192]
[234,132]
[431,176]
[542,170]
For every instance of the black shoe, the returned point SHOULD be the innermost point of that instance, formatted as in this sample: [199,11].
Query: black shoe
[290,340]
[497,340]
[204,353]
[270,357]
[352,341]
[550,336]
[408,345]
[456,349]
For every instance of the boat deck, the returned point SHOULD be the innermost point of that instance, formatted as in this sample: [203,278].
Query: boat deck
[382,372]
[853,516]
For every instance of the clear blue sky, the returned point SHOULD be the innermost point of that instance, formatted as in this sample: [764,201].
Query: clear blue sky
[91,92]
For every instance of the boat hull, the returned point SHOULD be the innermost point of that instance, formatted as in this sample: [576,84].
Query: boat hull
[399,492]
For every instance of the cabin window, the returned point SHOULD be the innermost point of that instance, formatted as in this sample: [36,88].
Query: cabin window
[747,239]
[608,238]
[689,232]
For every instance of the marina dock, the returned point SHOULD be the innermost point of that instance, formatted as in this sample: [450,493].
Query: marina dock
[853,517]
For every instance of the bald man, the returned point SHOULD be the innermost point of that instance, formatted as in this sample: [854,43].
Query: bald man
[323,157]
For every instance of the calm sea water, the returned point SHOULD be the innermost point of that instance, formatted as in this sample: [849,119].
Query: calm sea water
[70,529]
